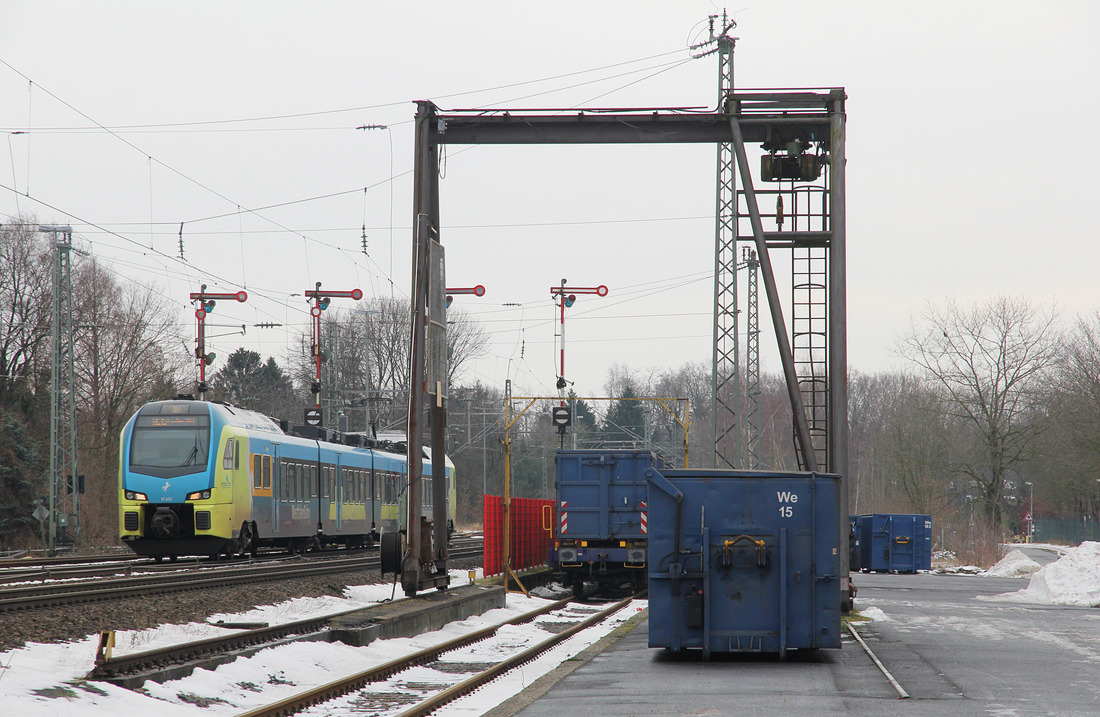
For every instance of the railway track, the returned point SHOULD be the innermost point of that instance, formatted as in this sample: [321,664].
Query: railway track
[59,593]
[88,566]
[442,693]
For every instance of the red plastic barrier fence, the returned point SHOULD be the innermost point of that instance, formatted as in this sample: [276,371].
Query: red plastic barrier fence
[531,538]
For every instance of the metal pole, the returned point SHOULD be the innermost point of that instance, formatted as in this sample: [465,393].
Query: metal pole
[506,548]
[366,370]
[561,301]
[837,439]
[1030,511]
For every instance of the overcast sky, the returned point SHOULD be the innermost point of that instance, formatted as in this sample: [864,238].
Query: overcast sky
[966,172]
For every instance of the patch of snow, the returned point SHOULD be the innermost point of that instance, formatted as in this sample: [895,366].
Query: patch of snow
[47,679]
[874,613]
[1073,579]
[1013,565]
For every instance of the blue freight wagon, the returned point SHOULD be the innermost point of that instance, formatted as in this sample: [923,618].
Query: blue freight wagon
[743,561]
[601,532]
[893,543]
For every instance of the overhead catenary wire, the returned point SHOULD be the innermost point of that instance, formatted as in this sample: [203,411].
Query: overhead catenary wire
[188,267]
[316,113]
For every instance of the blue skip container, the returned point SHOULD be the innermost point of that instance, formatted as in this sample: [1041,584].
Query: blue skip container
[743,561]
[895,543]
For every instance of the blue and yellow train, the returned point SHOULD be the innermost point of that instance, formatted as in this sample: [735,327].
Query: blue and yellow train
[201,478]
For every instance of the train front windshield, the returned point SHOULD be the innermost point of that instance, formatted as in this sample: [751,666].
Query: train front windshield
[172,445]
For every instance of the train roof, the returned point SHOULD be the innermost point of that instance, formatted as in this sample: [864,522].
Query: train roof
[231,415]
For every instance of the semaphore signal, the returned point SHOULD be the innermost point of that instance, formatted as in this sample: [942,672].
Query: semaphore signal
[565,298]
[321,300]
[205,302]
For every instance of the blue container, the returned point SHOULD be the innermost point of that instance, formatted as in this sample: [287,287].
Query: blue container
[601,530]
[895,543]
[855,555]
[743,561]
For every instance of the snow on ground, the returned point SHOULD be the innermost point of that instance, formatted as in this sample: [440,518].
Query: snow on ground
[874,613]
[47,678]
[1073,579]
[1013,565]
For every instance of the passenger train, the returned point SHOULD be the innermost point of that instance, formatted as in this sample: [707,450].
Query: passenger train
[207,478]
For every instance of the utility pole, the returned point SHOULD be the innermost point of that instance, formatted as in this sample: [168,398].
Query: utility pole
[728,445]
[64,509]
[752,363]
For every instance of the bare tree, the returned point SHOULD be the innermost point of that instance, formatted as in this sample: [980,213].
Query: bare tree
[382,327]
[1068,473]
[24,305]
[989,359]
[124,356]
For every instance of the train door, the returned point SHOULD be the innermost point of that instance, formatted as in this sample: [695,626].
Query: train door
[261,492]
[373,492]
[339,493]
[276,488]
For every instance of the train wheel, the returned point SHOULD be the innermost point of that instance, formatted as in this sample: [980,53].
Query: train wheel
[578,589]
[158,558]
[173,558]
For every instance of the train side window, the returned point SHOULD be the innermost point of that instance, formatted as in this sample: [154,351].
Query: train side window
[267,473]
[313,481]
[257,470]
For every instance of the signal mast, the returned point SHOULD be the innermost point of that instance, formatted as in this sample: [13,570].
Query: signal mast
[205,304]
[321,300]
[564,300]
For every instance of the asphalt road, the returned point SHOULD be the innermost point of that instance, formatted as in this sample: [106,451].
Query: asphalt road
[956,655]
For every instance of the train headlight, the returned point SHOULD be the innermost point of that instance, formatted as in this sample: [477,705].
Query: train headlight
[131,495]
[203,495]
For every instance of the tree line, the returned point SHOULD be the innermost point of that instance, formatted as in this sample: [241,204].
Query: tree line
[993,396]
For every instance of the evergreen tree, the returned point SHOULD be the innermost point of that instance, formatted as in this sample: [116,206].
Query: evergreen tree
[20,481]
[625,421]
[251,383]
